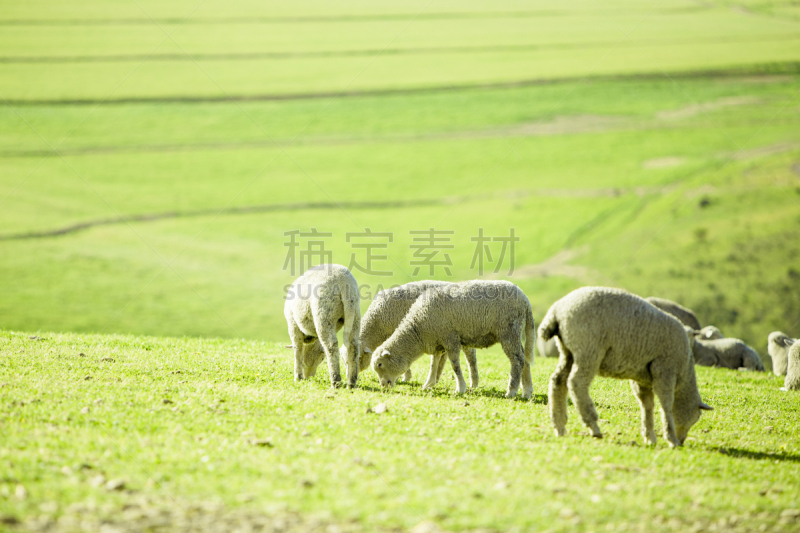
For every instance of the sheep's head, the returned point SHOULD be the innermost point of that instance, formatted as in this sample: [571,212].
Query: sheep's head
[364,358]
[313,356]
[388,367]
[687,416]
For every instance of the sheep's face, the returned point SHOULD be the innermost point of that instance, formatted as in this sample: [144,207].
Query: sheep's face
[388,368]
[313,356]
[686,417]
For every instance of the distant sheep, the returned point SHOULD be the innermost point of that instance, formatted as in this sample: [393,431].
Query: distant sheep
[684,315]
[792,381]
[723,353]
[318,304]
[710,333]
[473,314]
[383,317]
[617,334]
[778,344]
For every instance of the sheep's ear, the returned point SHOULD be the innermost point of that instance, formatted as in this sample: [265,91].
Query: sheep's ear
[385,353]
[367,350]
[705,407]
[288,346]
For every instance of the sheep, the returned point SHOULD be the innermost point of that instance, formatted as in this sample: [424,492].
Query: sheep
[710,333]
[792,380]
[473,314]
[778,344]
[723,353]
[547,348]
[386,312]
[318,304]
[684,315]
[613,333]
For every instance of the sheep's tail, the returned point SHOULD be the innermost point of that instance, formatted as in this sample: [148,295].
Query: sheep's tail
[530,335]
[549,326]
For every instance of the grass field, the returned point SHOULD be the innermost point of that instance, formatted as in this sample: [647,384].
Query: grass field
[153,154]
[176,421]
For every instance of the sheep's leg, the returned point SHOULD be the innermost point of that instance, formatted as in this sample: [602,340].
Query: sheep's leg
[516,356]
[527,382]
[350,341]
[557,393]
[407,376]
[664,387]
[327,337]
[440,367]
[578,382]
[454,354]
[432,379]
[298,347]
[645,397]
[472,363]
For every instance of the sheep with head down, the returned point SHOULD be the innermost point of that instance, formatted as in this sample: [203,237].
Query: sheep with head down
[472,314]
[613,333]
[792,380]
[319,303]
[685,315]
[384,315]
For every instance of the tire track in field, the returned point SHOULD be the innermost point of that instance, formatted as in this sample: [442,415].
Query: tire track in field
[510,195]
[751,71]
[367,52]
[442,15]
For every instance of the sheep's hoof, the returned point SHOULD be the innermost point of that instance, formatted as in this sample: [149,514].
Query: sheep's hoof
[527,395]
[510,394]
[560,432]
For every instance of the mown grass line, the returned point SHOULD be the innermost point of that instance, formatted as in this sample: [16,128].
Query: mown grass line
[764,69]
[367,52]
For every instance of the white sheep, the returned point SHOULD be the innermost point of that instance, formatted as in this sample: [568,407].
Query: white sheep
[778,344]
[613,333]
[318,304]
[386,312]
[472,314]
[792,380]
[684,315]
[723,353]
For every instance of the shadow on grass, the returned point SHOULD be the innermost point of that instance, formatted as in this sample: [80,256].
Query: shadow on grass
[756,456]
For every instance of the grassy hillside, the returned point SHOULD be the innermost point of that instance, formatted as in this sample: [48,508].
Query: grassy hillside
[136,431]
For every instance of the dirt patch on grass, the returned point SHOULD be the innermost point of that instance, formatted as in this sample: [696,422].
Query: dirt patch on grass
[556,266]
[664,162]
[705,107]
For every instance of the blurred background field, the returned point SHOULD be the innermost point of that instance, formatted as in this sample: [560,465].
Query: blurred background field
[152,154]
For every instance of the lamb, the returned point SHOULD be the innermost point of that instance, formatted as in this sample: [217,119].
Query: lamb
[318,304]
[723,353]
[613,333]
[386,312]
[684,315]
[548,348]
[778,345]
[792,380]
[472,314]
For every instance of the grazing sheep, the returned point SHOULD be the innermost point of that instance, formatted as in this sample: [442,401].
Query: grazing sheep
[318,304]
[386,312]
[792,381]
[684,315]
[778,344]
[617,334]
[723,353]
[710,333]
[547,348]
[472,314]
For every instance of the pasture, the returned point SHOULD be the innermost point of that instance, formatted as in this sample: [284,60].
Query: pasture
[154,154]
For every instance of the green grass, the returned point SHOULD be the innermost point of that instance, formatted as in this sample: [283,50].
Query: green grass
[174,419]
[656,144]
